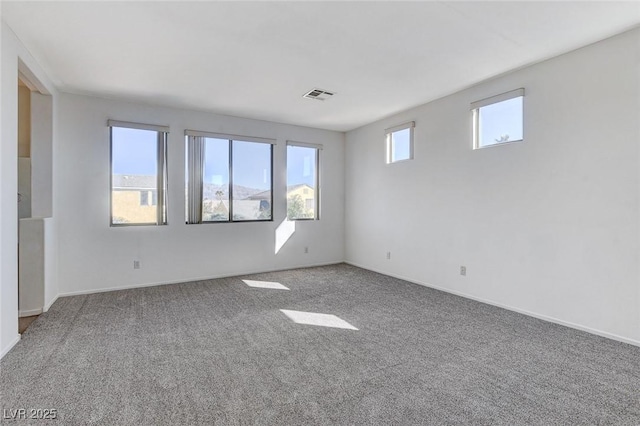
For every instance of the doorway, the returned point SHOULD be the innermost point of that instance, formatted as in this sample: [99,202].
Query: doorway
[34,198]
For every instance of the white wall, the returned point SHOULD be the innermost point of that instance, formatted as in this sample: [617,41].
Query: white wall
[11,52]
[24,122]
[50,263]
[37,274]
[41,155]
[549,226]
[24,187]
[31,272]
[94,256]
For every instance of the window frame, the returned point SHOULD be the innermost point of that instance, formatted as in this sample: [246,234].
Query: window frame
[230,139]
[389,141]
[317,190]
[492,100]
[161,182]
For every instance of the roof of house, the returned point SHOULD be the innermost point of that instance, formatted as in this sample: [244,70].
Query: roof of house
[299,185]
[266,195]
[135,182]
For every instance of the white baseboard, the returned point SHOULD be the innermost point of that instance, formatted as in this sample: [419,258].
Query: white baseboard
[510,308]
[10,346]
[29,313]
[192,279]
[48,306]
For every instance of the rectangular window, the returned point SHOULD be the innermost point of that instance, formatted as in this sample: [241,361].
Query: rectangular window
[138,173]
[229,178]
[148,198]
[303,162]
[498,119]
[399,142]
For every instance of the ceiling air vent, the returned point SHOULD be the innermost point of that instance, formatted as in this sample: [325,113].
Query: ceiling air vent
[318,94]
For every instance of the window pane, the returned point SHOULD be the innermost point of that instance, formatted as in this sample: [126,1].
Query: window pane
[500,122]
[401,145]
[301,182]
[215,185]
[134,169]
[251,181]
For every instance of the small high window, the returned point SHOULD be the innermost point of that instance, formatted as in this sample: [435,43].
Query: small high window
[498,119]
[399,143]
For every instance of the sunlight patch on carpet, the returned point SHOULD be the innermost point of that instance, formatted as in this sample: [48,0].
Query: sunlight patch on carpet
[265,284]
[312,318]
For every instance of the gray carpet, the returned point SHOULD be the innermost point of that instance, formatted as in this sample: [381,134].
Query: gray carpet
[220,352]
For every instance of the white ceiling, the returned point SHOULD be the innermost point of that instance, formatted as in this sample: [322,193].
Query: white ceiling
[257,59]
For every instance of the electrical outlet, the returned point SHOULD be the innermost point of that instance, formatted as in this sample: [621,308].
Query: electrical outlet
[463,270]
[388,255]
[306,249]
[136,264]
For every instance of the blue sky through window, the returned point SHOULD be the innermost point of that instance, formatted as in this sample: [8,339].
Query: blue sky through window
[252,165]
[216,161]
[134,151]
[501,122]
[301,165]
[401,145]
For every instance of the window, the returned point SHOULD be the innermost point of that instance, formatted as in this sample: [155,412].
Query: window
[498,119]
[302,181]
[399,141]
[138,174]
[229,178]
[148,198]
